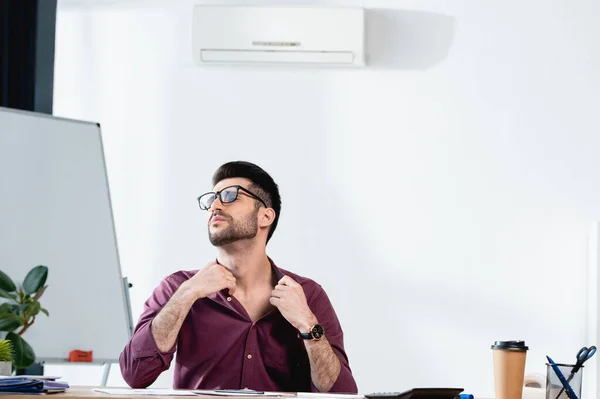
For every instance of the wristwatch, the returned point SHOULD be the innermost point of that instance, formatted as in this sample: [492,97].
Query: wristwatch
[316,333]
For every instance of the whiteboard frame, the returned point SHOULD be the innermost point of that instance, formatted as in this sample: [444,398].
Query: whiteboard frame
[125,282]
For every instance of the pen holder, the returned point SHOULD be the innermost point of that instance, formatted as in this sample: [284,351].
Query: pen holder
[554,386]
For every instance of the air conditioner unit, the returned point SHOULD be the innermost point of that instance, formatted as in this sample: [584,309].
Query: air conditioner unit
[279,35]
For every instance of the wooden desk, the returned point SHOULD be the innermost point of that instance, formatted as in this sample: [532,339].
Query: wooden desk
[83,392]
[79,392]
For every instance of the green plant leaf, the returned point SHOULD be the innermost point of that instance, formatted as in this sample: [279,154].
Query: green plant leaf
[39,293]
[35,279]
[21,309]
[6,282]
[34,309]
[5,308]
[15,308]
[8,295]
[24,356]
[6,351]
[10,322]
[45,311]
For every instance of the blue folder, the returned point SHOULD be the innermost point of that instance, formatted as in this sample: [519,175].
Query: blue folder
[30,385]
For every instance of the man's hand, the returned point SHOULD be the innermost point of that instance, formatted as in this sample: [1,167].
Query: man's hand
[210,279]
[167,323]
[288,296]
[325,367]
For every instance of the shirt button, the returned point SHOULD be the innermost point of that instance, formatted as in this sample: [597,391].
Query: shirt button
[249,356]
[228,299]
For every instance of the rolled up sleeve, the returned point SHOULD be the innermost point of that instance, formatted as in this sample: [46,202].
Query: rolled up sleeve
[141,361]
[323,309]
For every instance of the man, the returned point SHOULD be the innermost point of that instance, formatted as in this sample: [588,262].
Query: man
[240,322]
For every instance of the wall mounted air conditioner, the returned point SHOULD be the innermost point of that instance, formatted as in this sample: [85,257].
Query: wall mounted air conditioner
[279,35]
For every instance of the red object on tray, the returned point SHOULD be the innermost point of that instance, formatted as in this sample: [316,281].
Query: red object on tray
[80,356]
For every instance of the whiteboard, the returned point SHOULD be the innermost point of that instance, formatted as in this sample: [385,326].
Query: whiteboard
[55,210]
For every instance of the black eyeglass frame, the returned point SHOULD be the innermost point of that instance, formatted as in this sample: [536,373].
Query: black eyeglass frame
[218,194]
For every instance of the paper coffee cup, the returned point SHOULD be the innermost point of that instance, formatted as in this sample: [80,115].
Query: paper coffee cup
[509,368]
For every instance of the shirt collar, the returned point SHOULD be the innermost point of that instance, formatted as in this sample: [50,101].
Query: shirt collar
[275,269]
[224,293]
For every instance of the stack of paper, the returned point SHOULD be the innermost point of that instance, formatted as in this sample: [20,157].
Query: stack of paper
[30,384]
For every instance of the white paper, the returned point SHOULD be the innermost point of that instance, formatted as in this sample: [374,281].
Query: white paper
[182,392]
[145,392]
[243,392]
[316,395]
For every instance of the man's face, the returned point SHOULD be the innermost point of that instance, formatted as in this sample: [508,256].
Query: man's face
[234,221]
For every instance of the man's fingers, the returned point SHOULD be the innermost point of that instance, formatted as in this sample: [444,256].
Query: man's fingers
[287,280]
[232,288]
[226,273]
[280,287]
[277,293]
[230,283]
[274,301]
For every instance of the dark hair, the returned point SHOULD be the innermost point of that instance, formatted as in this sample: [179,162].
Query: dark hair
[263,185]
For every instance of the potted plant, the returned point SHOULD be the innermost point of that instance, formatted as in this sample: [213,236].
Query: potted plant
[19,310]
[6,357]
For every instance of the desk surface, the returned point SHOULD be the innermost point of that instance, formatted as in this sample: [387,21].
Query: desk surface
[76,392]
[80,392]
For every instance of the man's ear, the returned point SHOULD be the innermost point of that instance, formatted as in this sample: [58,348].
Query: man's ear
[267,218]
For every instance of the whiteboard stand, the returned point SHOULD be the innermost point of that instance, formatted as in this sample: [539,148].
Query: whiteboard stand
[105,372]
[593,366]
[126,286]
[39,368]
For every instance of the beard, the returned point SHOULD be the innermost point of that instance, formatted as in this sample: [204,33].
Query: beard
[236,230]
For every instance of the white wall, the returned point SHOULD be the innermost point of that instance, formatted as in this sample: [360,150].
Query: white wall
[442,196]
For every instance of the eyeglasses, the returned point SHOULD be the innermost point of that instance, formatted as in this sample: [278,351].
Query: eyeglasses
[226,196]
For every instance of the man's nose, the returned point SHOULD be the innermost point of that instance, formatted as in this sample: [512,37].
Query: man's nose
[217,205]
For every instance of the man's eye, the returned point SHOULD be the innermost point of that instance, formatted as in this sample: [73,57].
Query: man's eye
[229,196]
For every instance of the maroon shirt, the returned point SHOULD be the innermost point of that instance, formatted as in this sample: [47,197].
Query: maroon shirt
[219,347]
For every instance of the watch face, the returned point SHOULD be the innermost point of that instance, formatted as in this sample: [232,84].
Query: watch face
[317,331]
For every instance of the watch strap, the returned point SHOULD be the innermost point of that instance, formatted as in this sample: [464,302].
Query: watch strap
[315,333]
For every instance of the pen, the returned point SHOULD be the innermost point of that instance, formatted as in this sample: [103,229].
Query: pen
[562,379]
